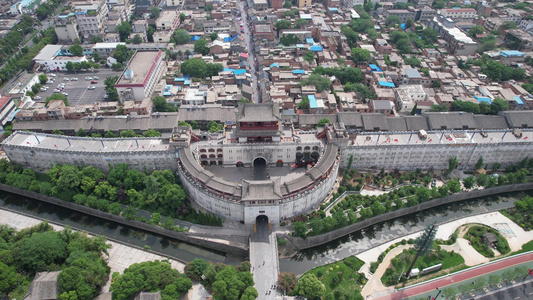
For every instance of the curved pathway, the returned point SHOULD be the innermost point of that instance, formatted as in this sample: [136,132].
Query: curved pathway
[515,235]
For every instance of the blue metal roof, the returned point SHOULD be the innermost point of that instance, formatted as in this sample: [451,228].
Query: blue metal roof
[194,38]
[299,45]
[375,68]
[167,90]
[298,72]
[483,99]
[507,53]
[230,38]
[518,100]
[309,40]
[274,65]
[386,83]
[316,48]
[333,9]
[403,26]
[184,78]
[312,101]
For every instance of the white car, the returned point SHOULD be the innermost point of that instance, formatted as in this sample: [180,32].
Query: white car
[91,87]
[96,78]
[88,78]
[57,91]
[43,89]
[51,75]
[65,79]
[73,79]
[37,98]
[65,93]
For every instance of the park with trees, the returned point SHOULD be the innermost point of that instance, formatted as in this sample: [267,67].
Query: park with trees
[80,259]
[355,208]
[123,191]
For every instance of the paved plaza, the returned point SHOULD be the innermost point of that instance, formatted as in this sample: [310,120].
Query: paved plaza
[237,174]
[264,260]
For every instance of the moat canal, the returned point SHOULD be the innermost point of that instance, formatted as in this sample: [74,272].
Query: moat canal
[303,261]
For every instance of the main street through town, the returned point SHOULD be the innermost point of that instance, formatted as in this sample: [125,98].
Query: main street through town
[251,56]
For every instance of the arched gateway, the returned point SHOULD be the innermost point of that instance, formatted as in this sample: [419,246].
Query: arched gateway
[260,166]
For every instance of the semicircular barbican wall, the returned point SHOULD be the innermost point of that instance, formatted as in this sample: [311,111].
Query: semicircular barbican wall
[249,199]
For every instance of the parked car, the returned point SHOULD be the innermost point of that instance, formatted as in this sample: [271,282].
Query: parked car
[64,93]
[73,79]
[37,98]
[65,79]
[57,91]
[51,75]
[94,81]
[96,78]
[91,87]
[88,78]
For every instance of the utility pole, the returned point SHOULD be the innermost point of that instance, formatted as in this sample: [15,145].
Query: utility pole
[420,250]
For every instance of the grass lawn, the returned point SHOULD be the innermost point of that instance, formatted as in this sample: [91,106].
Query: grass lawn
[403,260]
[474,235]
[521,213]
[525,248]
[342,279]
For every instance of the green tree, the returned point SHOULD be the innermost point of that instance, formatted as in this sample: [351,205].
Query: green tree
[452,163]
[475,30]
[449,293]
[96,39]
[287,282]
[393,20]
[137,39]
[360,55]
[181,37]
[287,4]
[213,36]
[283,24]
[310,287]
[414,110]
[468,182]
[409,23]
[124,30]
[40,250]
[429,35]
[319,82]
[160,103]
[300,229]
[129,213]
[479,163]
[323,122]
[122,54]
[497,105]
[43,79]
[424,243]
[154,12]
[110,89]
[196,268]
[8,278]
[76,50]
[289,39]
[152,133]
[309,56]
[82,132]
[200,46]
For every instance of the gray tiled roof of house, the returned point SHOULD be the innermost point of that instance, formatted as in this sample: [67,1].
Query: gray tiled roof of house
[375,122]
[397,124]
[43,287]
[264,112]
[450,120]
[415,123]
[350,119]
[519,119]
[490,122]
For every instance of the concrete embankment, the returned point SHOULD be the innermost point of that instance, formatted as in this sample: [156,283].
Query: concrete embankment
[231,246]
[317,240]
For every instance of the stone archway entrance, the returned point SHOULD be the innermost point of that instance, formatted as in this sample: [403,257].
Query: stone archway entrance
[259,169]
[261,226]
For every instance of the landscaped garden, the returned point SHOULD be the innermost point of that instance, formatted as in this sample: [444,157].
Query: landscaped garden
[522,213]
[477,236]
[341,279]
[355,208]
[402,261]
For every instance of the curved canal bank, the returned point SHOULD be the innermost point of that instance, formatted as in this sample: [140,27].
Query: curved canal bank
[386,231]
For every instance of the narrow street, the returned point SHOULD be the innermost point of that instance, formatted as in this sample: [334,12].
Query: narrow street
[251,55]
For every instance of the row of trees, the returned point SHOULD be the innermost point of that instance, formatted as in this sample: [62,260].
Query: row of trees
[198,68]
[24,58]
[122,191]
[224,282]
[497,105]
[39,248]
[355,208]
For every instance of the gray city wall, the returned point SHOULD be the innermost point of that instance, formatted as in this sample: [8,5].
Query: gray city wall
[313,241]
[233,247]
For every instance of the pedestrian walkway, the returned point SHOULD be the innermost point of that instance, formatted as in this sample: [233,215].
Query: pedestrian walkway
[428,288]
[517,237]
[264,261]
